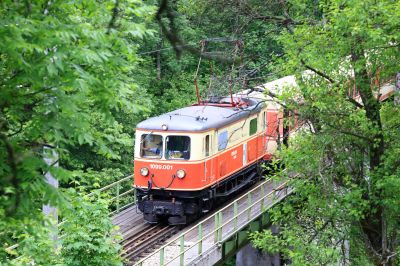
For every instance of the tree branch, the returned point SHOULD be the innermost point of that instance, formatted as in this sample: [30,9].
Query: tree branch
[319,73]
[115,12]
[12,162]
[281,19]
[318,231]
[350,133]
[354,102]
[21,126]
[176,42]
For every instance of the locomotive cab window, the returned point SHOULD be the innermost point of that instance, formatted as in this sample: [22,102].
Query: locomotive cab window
[151,146]
[178,148]
[253,126]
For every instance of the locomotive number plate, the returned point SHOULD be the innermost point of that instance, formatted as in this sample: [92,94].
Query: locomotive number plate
[161,167]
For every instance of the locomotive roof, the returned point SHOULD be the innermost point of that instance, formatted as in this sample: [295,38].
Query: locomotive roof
[201,117]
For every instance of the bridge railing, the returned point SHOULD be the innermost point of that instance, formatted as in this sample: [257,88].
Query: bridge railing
[193,243]
[118,193]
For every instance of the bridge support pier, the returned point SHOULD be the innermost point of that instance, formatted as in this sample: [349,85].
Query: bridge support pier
[249,256]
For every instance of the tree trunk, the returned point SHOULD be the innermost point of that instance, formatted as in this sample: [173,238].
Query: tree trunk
[373,225]
[286,128]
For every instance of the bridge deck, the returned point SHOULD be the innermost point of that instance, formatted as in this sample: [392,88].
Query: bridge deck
[203,248]
[127,220]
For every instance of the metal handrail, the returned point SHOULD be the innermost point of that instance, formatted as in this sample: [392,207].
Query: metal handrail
[195,226]
[217,228]
[123,194]
[110,185]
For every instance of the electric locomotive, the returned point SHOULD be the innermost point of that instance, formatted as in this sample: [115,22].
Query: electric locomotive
[191,158]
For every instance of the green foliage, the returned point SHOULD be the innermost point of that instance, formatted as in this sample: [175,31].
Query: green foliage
[300,253]
[89,180]
[90,237]
[347,156]
[71,79]
[171,83]
[66,82]
[35,245]
[230,262]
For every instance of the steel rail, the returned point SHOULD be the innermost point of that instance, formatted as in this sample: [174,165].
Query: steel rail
[153,236]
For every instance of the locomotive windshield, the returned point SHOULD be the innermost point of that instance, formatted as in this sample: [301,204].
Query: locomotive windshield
[151,146]
[178,148]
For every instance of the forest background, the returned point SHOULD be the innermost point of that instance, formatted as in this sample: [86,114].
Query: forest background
[77,76]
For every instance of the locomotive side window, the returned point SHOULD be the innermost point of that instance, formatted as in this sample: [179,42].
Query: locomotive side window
[207,145]
[178,148]
[151,146]
[222,140]
[253,126]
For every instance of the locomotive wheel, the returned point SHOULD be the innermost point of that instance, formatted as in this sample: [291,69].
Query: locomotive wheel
[206,206]
[151,218]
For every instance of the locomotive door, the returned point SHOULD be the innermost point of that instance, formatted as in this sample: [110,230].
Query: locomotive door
[253,143]
[209,173]
[260,133]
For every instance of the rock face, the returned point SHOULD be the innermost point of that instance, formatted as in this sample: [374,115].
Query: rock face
[250,256]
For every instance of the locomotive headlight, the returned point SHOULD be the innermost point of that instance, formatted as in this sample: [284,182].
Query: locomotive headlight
[180,173]
[164,127]
[144,171]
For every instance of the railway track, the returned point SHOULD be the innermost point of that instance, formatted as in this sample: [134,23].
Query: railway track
[143,239]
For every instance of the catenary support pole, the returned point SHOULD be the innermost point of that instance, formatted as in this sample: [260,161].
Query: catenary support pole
[51,158]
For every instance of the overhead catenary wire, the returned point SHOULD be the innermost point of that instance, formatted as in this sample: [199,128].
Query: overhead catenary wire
[245,77]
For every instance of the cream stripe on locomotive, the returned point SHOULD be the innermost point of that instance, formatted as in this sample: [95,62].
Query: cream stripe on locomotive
[232,146]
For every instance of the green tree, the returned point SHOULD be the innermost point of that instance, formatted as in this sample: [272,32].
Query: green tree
[90,237]
[347,163]
[65,66]
[170,78]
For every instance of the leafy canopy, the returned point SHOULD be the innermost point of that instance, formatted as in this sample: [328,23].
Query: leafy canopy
[64,67]
[348,178]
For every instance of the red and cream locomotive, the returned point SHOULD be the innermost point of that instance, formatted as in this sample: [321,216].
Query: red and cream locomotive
[189,159]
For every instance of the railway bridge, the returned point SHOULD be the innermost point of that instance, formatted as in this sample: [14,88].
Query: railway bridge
[209,240]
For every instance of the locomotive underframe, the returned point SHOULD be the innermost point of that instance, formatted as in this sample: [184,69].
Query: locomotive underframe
[181,207]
